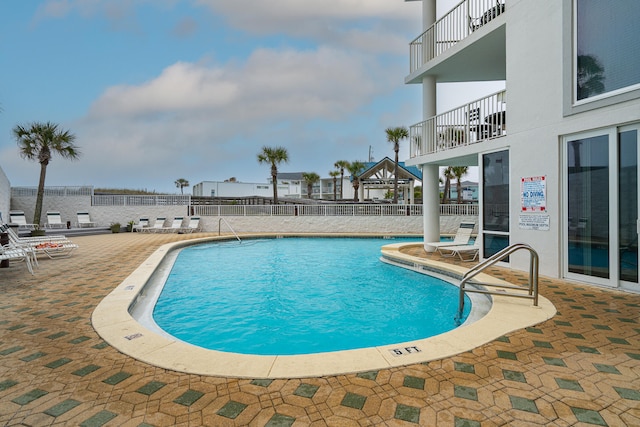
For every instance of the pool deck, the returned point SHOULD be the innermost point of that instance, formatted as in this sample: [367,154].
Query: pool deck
[580,368]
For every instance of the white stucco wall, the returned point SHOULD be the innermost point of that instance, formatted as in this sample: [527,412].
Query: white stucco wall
[537,123]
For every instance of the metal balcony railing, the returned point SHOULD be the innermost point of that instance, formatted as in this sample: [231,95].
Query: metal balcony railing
[477,121]
[465,18]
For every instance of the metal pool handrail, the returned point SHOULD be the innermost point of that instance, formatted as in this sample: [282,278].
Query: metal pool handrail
[230,228]
[533,277]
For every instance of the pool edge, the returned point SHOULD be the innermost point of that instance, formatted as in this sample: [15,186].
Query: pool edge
[113,322]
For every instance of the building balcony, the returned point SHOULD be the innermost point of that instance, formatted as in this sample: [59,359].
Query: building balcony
[477,121]
[485,55]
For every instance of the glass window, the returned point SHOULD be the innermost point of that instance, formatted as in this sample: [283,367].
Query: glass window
[588,206]
[495,181]
[495,205]
[608,46]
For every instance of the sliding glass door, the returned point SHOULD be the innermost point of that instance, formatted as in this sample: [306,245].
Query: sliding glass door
[628,205]
[601,205]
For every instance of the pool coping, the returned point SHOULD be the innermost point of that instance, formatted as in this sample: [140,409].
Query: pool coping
[113,321]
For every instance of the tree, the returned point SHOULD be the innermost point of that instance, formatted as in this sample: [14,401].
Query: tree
[354,169]
[335,175]
[310,178]
[39,142]
[273,156]
[181,183]
[590,76]
[459,172]
[342,165]
[394,136]
[448,176]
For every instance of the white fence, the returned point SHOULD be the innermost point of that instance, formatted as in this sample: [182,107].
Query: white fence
[52,191]
[132,200]
[477,121]
[465,18]
[330,210]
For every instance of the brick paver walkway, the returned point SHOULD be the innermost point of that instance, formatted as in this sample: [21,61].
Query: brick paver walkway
[581,368]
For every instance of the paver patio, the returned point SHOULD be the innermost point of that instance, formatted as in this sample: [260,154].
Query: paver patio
[581,368]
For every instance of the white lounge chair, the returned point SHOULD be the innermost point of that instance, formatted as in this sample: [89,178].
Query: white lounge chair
[462,237]
[157,226]
[84,220]
[54,220]
[464,252]
[194,225]
[17,217]
[142,223]
[16,253]
[175,226]
[52,246]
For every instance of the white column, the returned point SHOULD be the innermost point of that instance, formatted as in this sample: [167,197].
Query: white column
[430,205]
[430,173]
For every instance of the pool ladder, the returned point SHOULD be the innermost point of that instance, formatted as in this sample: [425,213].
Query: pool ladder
[230,228]
[533,277]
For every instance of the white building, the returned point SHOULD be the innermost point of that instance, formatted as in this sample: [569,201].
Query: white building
[563,175]
[243,189]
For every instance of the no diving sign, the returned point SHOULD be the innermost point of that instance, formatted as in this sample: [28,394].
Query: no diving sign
[533,194]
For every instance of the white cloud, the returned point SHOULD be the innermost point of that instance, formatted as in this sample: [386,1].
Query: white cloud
[323,83]
[370,25]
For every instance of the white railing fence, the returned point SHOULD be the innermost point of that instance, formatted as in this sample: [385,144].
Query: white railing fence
[462,20]
[330,210]
[132,200]
[477,121]
[52,191]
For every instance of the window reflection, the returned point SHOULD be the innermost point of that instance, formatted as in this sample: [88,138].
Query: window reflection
[588,208]
[608,46]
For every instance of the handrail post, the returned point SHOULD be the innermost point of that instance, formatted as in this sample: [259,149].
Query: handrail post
[499,256]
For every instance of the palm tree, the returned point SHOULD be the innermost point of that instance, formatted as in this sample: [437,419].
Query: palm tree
[394,136]
[354,169]
[590,76]
[181,183]
[274,156]
[40,141]
[448,176]
[335,175]
[342,165]
[459,172]
[310,178]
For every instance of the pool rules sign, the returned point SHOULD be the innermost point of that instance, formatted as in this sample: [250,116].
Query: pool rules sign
[533,203]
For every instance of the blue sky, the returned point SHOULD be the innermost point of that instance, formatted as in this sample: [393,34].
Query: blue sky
[157,90]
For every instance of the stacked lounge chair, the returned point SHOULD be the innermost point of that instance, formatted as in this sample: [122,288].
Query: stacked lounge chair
[52,246]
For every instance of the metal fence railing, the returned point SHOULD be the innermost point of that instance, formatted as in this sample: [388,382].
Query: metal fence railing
[133,200]
[52,191]
[477,121]
[462,20]
[373,209]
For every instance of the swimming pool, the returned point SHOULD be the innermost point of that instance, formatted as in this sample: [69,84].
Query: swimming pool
[299,296]
[123,320]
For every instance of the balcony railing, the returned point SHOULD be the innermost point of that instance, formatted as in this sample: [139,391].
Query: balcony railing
[465,18]
[474,122]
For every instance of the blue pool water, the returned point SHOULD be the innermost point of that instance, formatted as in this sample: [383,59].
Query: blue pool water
[299,296]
